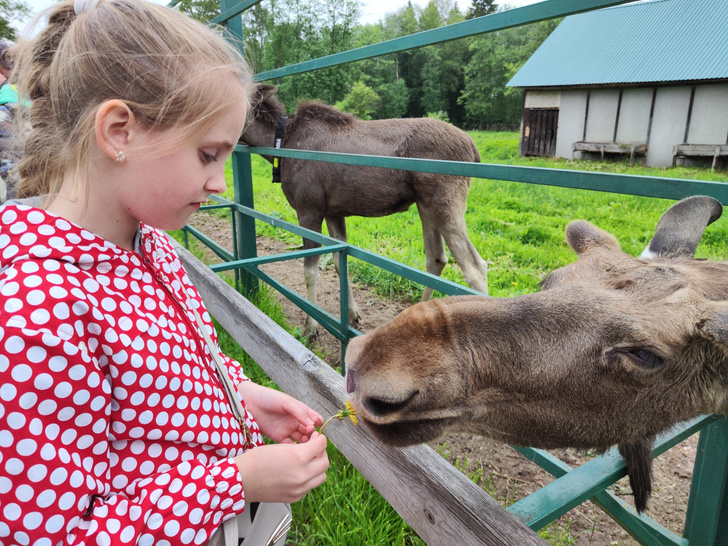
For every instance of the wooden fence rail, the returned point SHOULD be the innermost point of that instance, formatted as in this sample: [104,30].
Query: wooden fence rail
[441,504]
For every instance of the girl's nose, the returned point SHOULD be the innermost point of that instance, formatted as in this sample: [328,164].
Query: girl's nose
[217,184]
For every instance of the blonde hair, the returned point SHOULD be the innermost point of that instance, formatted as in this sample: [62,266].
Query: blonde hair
[167,67]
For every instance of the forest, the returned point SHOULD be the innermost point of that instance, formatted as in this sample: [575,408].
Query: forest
[461,81]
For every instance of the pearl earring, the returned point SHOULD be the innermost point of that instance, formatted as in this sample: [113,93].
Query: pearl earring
[119,156]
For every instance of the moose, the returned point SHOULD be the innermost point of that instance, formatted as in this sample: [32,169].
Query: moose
[613,350]
[320,191]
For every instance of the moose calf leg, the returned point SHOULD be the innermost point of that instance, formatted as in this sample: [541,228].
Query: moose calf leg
[310,275]
[435,255]
[474,268]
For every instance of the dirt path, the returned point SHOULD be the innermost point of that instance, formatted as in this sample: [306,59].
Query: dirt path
[504,473]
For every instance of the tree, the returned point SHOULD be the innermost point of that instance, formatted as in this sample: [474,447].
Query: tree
[255,34]
[394,99]
[430,17]
[202,10]
[434,98]
[300,30]
[495,59]
[12,11]
[478,8]
[362,101]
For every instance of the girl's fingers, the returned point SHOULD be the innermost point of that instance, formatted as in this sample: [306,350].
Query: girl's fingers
[303,414]
[316,418]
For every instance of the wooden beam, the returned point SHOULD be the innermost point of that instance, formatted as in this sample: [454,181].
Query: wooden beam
[637,148]
[441,504]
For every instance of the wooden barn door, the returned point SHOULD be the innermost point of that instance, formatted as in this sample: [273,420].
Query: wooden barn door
[539,131]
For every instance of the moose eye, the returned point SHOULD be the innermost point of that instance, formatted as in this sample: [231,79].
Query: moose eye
[644,358]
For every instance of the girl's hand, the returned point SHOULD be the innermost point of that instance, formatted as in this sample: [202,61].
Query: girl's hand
[283,472]
[280,417]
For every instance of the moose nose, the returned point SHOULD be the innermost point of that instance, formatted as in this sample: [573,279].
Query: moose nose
[382,407]
[350,381]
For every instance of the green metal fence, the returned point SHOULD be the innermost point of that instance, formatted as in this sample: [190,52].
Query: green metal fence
[706,519]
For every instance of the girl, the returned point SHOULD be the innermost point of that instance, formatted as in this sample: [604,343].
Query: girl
[116,427]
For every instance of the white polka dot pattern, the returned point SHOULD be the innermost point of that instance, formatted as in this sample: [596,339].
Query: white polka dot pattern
[114,427]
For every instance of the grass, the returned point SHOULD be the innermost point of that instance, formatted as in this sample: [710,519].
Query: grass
[519,229]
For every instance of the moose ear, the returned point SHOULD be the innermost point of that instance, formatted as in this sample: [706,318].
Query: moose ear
[265,91]
[715,326]
[582,236]
[681,227]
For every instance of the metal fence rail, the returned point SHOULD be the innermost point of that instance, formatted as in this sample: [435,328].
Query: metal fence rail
[707,514]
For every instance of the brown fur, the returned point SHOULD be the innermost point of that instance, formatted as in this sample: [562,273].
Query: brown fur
[614,350]
[321,191]
[318,112]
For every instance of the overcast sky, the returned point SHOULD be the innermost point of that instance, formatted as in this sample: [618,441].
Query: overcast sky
[372,10]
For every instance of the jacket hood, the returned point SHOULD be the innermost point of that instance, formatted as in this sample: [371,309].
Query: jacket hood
[28,233]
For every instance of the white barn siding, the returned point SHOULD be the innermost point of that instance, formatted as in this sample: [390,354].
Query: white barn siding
[572,108]
[602,115]
[668,124]
[709,118]
[634,115]
[542,99]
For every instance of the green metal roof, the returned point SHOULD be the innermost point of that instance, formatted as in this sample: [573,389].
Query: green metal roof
[654,41]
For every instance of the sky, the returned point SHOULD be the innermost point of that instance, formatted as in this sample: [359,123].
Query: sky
[372,10]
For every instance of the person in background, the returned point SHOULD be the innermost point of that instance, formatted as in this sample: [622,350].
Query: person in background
[10,153]
[116,426]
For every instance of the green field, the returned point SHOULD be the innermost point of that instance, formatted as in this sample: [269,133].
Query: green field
[519,229]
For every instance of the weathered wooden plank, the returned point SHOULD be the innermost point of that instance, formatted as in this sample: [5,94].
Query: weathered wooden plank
[442,505]
[527,131]
[611,147]
[698,150]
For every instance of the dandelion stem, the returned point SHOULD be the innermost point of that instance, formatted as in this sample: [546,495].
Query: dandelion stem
[321,430]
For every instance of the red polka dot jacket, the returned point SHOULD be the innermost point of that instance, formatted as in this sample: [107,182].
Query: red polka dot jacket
[114,427]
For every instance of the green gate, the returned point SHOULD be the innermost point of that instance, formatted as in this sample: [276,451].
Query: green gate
[706,519]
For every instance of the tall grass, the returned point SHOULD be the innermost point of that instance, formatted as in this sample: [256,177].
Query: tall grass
[519,229]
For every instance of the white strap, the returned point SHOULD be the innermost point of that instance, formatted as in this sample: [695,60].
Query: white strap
[227,383]
[281,513]
[222,373]
[230,528]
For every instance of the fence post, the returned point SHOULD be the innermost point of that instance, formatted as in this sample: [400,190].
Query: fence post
[244,237]
[706,519]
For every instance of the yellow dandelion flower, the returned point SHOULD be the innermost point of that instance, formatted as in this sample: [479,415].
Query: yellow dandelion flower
[347,411]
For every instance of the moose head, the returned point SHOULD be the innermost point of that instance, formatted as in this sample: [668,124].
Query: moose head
[615,349]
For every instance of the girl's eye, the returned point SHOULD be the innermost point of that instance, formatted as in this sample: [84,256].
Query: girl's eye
[207,158]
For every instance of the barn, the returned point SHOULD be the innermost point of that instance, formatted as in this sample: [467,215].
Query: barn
[645,81]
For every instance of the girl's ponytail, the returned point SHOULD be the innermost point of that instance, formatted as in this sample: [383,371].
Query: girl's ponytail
[41,166]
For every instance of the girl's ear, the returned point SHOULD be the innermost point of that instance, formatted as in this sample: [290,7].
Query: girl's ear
[114,125]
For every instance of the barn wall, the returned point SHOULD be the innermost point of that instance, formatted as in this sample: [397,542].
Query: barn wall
[634,115]
[602,115]
[709,118]
[542,99]
[572,107]
[668,124]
